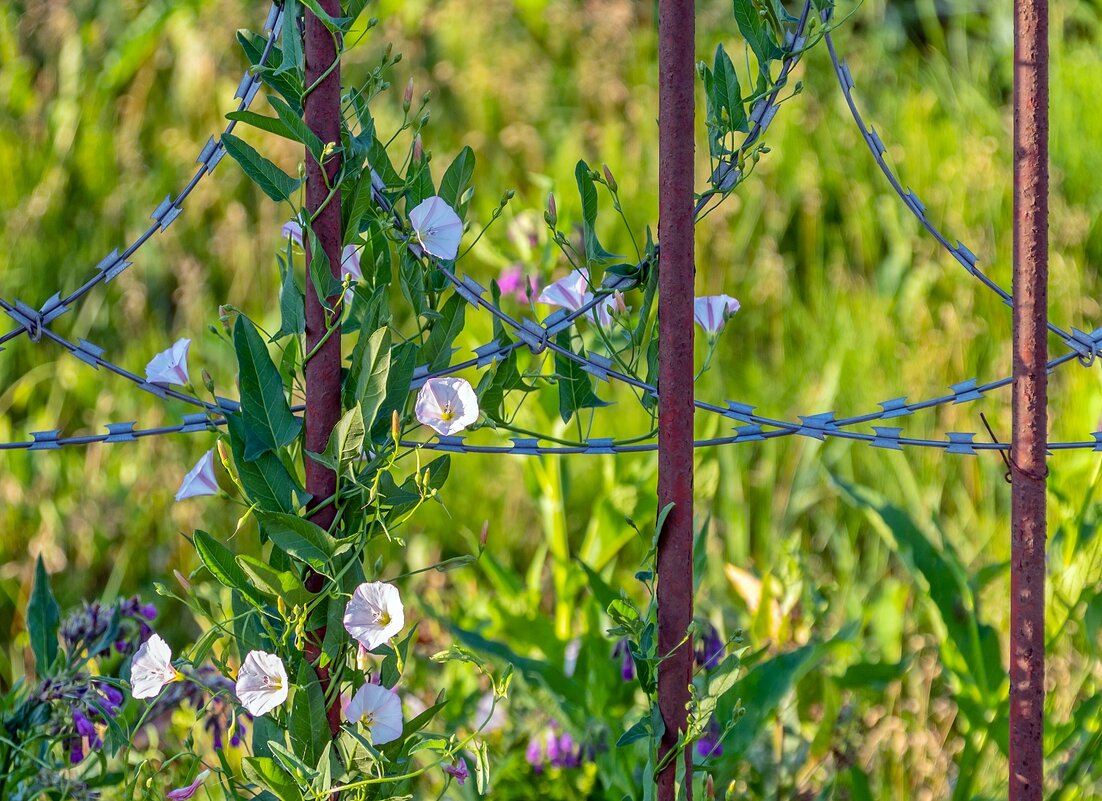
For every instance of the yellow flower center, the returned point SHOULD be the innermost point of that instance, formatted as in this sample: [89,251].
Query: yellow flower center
[446,413]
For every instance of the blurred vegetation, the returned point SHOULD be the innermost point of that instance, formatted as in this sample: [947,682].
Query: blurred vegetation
[845,302]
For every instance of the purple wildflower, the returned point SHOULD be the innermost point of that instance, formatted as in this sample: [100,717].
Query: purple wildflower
[710,743]
[76,750]
[83,726]
[458,771]
[534,753]
[709,651]
[627,664]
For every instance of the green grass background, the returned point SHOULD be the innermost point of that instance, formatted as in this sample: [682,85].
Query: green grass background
[845,302]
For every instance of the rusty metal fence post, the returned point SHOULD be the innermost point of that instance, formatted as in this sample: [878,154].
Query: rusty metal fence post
[676,107]
[1028,469]
[323,367]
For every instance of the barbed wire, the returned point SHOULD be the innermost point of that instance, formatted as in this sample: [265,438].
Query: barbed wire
[31,321]
[539,337]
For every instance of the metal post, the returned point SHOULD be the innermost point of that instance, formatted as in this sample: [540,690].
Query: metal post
[1028,470]
[323,370]
[676,109]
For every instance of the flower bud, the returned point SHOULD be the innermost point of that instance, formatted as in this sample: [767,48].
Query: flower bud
[182,580]
[281,607]
[552,215]
[710,788]
[483,536]
[407,98]
[362,660]
[418,150]
[618,304]
[395,425]
[208,382]
[610,179]
[424,120]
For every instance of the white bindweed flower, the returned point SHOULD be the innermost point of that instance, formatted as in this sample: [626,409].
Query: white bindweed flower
[184,793]
[447,405]
[350,256]
[200,479]
[261,682]
[374,614]
[437,226]
[572,292]
[711,313]
[379,710]
[151,668]
[169,366]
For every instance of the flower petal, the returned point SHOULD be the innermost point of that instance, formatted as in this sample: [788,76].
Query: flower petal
[437,226]
[200,480]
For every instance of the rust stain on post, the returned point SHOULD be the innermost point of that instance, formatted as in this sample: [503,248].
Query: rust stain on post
[676,108]
[1028,523]
[323,370]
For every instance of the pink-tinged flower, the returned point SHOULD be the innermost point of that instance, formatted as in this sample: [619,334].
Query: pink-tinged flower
[374,613]
[572,292]
[512,281]
[261,682]
[200,479]
[711,313]
[152,668]
[458,771]
[169,366]
[183,793]
[379,710]
[447,405]
[350,256]
[438,227]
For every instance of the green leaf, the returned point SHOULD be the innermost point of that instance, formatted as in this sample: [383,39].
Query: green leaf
[334,24]
[639,731]
[274,182]
[288,85]
[299,538]
[293,57]
[43,618]
[757,34]
[297,127]
[292,304]
[277,583]
[437,351]
[266,480]
[575,384]
[412,281]
[266,772]
[264,123]
[308,726]
[219,560]
[594,252]
[726,94]
[456,180]
[346,441]
[269,423]
[367,377]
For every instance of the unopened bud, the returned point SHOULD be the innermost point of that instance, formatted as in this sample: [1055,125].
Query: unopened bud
[552,215]
[362,661]
[388,51]
[509,195]
[618,304]
[483,536]
[710,788]
[281,607]
[182,580]
[395,425]
[208,382]
[424,120]
[418,149]
[407,98]
[609,178]
[224,317]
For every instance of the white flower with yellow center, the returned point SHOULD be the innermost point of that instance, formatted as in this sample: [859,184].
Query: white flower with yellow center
[447,405]
[378,710]
[261,682]
[374,614]
[151,668]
